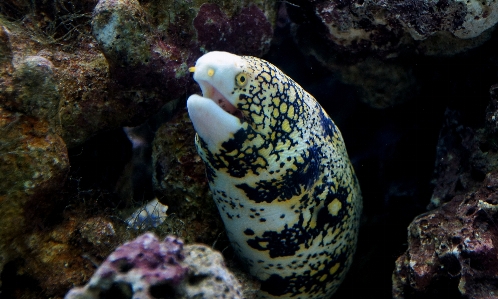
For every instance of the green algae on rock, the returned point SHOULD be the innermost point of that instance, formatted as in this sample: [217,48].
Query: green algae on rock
[37,93]
[121,29]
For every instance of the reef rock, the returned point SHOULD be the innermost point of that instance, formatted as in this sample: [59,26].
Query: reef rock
[37,93]
[243,27]
[57,258]
[93,68]
[149,268]
[98,232]
[33,167]
[208,276]
[463,157]
[248,32]
[122,32]
[384,26]
[135,55]
[180,181]
[372,44]
[453,248]
[70,86]
[145,56]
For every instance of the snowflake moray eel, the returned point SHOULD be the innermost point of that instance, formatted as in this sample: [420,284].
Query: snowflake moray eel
[279,173]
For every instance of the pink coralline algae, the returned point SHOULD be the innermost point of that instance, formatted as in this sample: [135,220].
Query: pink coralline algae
[140,267]
[455,247]
[147,268]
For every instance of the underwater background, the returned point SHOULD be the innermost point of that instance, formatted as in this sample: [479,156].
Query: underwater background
[96,147]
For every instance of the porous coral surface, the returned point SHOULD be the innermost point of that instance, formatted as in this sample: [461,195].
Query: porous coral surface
[149,268]
[453,247]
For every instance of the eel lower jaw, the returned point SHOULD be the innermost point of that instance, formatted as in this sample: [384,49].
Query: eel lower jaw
[210,92]
[213,124]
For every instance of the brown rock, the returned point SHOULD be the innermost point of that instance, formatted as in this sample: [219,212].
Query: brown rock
[33,167]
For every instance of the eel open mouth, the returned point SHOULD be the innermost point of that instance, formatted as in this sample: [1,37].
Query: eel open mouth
[210,92]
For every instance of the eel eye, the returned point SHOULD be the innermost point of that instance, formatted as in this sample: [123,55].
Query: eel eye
[241,79]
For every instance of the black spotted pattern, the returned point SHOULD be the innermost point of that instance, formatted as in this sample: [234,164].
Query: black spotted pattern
[290,184]
[284,185]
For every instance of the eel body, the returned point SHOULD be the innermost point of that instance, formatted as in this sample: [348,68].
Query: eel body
[279,173]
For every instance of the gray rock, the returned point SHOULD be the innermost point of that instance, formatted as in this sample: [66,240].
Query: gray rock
[122,32]
[208,276]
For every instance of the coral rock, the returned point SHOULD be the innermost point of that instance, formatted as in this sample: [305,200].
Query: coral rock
[71,86]
[37,89]
[248,32]
[98,231]
[89,73]
[208,276]
[138,267]
[385,26]
[179,177]
[33,158]
[361,40]
[33,166]
[147,268]
[453,247]
[120,28]
[463,19]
